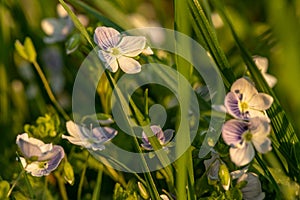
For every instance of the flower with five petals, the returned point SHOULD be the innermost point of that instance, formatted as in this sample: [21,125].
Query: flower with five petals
[119,50]
[93,138]
[40,158]
[245,102]
[242,136]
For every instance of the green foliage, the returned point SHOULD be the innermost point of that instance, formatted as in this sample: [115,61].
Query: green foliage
[45,127]
[26,51]
[4,188]
[124,194]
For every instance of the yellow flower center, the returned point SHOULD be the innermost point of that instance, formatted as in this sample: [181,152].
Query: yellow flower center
[247,136]
[243,106]
[115,51]
[43,165]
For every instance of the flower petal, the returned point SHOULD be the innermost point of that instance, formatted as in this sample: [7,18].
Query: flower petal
[104,134]
[271,80]
[244,89]
[261,101]
[259,126]
[168,135]
[231,103]
[242,156]
[262,144]
[106,37]
[109,60]
[77,131]
[233,130]
[261,63]
[252,190]
[129,65]
[132,46]
[29,148]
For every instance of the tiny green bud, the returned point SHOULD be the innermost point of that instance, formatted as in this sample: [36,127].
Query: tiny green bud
[72,43]
[143,191]
[224,176]
[30,50]
[68,173]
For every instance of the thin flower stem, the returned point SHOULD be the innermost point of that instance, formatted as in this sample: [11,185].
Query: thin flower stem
[15,183]
[49,91]
[97,189]
[61,185]
[82,178]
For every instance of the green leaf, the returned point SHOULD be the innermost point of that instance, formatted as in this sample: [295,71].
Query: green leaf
[29,49]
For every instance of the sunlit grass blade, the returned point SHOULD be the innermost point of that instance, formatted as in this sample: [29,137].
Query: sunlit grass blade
[77,23]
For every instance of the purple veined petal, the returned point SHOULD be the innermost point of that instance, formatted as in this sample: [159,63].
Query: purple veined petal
[261,101]
[57,155]
[77,131]
[106,37]
[109,60]
[129,65]
[244,89]
[132,46]
[29,148]
[104,134]
[231,103]
[233,130]
[168,135]
[242,156]
[252,189]
[259,126]
[146,144]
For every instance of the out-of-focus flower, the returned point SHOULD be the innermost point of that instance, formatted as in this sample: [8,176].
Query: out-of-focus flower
[245,102]
[216,20]
[58,29]
[163,137]
[241,136]
[119,50]
[40,159]
[93,138]
[262,64]
[252,189]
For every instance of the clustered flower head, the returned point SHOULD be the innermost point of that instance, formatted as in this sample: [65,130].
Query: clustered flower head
[118,50]
[39,159]
[250,128]
[90,138]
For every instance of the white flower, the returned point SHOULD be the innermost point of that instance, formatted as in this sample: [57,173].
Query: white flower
[40,159]
[119,50]
[93,138]
[252,190]
[245,102]
[262,65]
[242,136]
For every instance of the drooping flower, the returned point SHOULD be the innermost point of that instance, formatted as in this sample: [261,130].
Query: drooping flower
[242,136]
[262,65]
[163,137]
[40,158]
[245,102]
[252,189]
[93,138]
[119,50]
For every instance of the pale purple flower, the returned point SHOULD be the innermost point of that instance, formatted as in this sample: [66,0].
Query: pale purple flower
[163,137]
[119,50]
[242,136]
[252,190]
[90,138]
[40,158]
[262,64]
[245,102]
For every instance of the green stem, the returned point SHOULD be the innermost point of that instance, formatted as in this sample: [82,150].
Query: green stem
[82,178]
[97,190]
[49,91]
[15,183]
[61,185]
